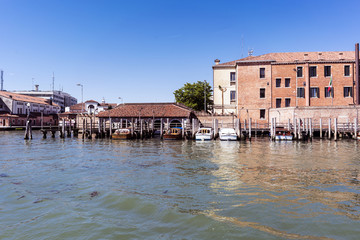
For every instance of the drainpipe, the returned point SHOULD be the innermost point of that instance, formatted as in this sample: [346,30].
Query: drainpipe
[357,73]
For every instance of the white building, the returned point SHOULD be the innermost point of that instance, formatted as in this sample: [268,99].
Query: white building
[225,86]
[59,97]
[18,104]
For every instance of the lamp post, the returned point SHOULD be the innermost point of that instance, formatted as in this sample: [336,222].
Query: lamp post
[122,100]
[82,99]
[204,95]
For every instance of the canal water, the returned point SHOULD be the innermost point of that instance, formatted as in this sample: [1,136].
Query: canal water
[152,189]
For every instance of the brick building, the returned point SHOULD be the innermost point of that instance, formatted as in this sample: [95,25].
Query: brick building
[278,81]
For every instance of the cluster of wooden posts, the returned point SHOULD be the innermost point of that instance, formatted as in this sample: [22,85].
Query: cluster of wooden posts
[301,128]
[306,128]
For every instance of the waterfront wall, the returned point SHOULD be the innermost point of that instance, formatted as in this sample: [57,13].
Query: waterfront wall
[344,114]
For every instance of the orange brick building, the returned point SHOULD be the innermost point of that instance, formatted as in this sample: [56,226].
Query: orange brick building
[291,80]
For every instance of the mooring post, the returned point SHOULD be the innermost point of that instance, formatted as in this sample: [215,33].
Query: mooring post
[329,133]
[289,126]
[250,129]
[255,128]
[110,128]
[183,128]
[299,129]
[355,127]
[321,131]
[311,128]
[336,128]
[295,128]
[161,128]
[141,128]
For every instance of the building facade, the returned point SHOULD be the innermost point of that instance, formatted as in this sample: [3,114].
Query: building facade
[290,80]
[16,108]
[61,98]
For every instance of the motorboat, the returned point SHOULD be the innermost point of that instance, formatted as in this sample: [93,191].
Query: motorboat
[283,135]
[227,134]
[122,133]
[173,134]
[204,134]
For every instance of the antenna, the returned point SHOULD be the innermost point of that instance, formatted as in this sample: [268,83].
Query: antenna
[53,82]
[250,52]
[2,80]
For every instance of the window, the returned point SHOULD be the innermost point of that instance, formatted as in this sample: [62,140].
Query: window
[262,72]
[278,103]
[287,102]
[299,72]
[313,71]
[287,82]
[329,92]
[232,77]
[347,70]
[262,92]
[278,82]
[262,113]
[300,92]
[232,96]
[314,92]
[348,92]
[1,106]
[327,71]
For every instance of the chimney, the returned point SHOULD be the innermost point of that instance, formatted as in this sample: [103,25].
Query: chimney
[36,87]
[341,56]
[306,57]
[217,61]
[320,56]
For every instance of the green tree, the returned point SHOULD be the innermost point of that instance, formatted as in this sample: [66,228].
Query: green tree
[193,95]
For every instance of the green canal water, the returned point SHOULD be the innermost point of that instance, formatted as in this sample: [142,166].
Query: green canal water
[153,189]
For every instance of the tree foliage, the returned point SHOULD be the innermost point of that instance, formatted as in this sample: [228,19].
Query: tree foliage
[192,95]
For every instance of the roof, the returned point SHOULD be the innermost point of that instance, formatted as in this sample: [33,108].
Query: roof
[26,98]
[92,101]
[295,57]
[148,110]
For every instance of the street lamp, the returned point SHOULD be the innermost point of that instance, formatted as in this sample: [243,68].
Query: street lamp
[122,100]
[82,100]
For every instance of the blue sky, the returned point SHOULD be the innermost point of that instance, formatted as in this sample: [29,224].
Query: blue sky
[142,51]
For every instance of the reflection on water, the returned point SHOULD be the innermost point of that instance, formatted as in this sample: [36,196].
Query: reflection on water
[92,189]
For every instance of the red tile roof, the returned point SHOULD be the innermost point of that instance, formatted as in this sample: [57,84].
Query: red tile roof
[25,98]
[148,110]
[295,56]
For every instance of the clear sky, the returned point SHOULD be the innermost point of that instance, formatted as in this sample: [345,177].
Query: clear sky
[142,51]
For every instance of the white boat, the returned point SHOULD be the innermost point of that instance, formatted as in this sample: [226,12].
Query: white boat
[204,134]
[227,134]
[283,135]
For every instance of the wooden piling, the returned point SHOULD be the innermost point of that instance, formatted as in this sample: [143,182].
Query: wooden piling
[310,129]
[355,128]
[110,128]
[250,129]
[295,128]
[329,133]
[321,130]
[336,128]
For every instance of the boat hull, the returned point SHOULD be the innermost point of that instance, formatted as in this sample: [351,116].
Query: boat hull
[172,137]
[284,137]
[121,136]
[228,138]
[203,137]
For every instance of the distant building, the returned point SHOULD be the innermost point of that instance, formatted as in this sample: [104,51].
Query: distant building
[61,98]
[14,109]
[269,84]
